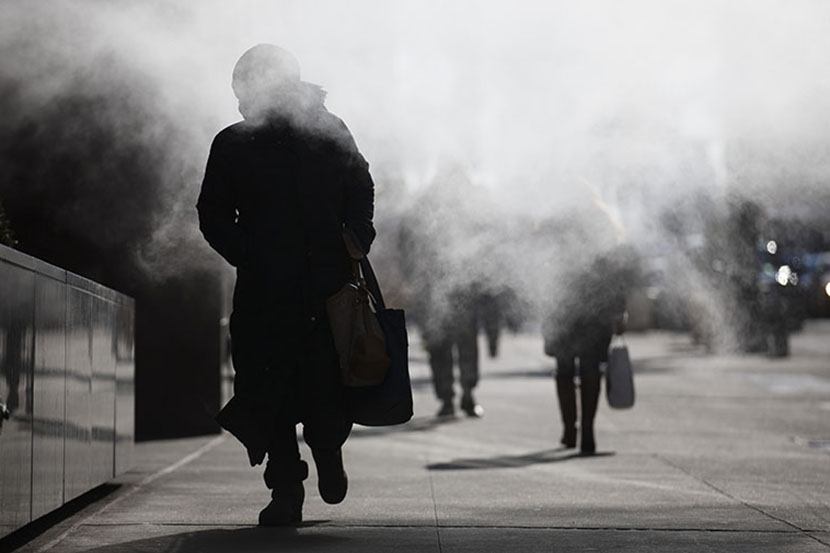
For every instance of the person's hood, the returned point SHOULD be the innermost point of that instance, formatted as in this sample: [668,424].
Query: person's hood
[301,108]
[313,95]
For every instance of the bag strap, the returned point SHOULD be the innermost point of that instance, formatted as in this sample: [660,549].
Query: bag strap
[368,273]
[372,282]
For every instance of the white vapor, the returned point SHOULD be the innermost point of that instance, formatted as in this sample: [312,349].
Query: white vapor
[631,106]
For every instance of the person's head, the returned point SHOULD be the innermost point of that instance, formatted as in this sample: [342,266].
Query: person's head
[265,79]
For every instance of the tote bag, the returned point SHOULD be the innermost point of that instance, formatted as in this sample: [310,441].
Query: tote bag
[358,337]
[619,378]
[389,402]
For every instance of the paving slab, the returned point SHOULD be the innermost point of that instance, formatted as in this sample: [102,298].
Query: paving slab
[247,539]
[195,539]
[624,541]
[720,453]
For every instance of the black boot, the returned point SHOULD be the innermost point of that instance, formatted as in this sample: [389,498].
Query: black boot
[284,475]
[469,405]
[589,395]
[447,409]
[332,482]
[567,406]
[286,506]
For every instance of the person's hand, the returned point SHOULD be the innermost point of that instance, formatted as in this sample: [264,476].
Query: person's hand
[620,323]
[351,247]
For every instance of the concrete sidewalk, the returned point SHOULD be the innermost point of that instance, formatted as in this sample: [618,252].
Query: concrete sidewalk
[719,454]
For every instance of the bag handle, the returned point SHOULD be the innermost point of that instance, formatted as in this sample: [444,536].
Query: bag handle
[372,282]
[366,267]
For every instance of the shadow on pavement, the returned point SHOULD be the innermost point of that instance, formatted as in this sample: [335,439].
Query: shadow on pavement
[417,424]
[544,372]
[420,382]
[687,346]
[238,540]
[517,461]
[654,365]
[34,529]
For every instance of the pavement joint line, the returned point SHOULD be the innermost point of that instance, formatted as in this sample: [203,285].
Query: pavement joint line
[572,528]
[467,527]
[821,541]
[135,487]
[741,501]
[434,507]
[732,398]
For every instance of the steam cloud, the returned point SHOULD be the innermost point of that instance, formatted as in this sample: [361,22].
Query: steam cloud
[576,125]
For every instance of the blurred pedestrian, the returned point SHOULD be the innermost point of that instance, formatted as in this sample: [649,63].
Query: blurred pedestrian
[578,332]
[499,309]
[451,334]
[456,280]
[279,188]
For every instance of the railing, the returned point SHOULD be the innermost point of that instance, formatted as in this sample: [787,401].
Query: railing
[67,382]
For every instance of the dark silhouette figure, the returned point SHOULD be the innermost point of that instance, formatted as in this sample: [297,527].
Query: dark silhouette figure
[733,249]
[14,359]
[279,188]
[578,333]
[445,247]
[755,308]
[499,309]
[453,335]
[491,321]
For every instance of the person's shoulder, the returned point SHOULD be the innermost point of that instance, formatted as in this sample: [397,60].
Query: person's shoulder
[334,131]
[236,133]
[321,127]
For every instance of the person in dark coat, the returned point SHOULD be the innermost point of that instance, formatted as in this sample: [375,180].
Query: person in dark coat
[449,334]
[499,308]
[441,243]
[279,189]
[580,329]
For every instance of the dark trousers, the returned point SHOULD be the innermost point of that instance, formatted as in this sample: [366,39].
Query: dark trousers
[589,388]
[441,352]
[306,389]
[285,467]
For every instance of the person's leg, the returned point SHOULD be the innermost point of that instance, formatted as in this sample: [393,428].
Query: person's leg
[270,380]
[566,392]
[491,321]
[284,475]
[326,442]
[325,435]
[441,362]
[326,425]
[589,388]
[467,344]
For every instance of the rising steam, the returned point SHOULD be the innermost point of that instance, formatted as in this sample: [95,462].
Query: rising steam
[576,124]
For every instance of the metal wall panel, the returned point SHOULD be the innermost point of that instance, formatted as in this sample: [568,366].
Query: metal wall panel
[102,402]
[67,374]
[16,345]
[124,385]
[79,340]
[49,394]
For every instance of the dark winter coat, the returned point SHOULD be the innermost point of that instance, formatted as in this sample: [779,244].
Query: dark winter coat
[582,324]
[274,202]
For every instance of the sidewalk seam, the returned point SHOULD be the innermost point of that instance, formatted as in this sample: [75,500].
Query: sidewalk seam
[434,508]
[469,527]
[135,487]
[741,501]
